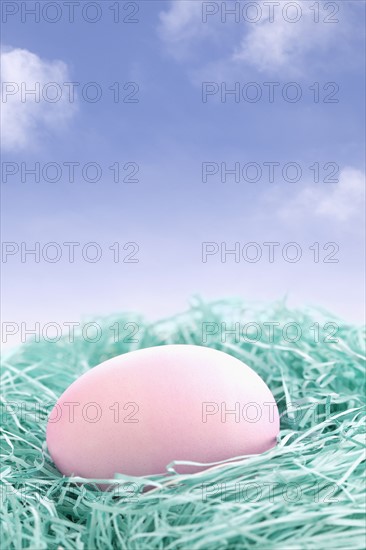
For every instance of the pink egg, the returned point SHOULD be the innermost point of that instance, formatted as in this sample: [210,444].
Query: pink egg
[136,413]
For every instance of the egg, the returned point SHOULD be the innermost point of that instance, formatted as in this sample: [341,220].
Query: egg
[136,413]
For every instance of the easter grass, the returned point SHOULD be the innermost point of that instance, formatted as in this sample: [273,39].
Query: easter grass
[306,493]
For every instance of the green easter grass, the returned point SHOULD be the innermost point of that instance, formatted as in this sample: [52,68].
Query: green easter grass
[307,493]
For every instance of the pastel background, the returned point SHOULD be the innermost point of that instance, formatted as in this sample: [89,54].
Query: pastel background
[169,133]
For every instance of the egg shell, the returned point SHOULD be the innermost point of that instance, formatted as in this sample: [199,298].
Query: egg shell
[136,413]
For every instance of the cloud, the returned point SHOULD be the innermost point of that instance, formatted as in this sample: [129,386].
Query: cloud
[272,46]
[27,119]
[181,25]
[342,202]
[178,22]
[271,40]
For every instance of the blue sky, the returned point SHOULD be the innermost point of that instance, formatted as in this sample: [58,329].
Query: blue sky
[169,133]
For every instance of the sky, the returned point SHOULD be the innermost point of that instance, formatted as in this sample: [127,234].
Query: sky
[169,133]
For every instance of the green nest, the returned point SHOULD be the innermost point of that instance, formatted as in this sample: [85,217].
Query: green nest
[306,493]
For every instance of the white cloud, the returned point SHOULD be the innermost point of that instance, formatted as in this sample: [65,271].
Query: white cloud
[342,202]
[282,44]
[181,26]
[272,44]
[178,23]
[24,119]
